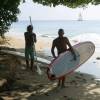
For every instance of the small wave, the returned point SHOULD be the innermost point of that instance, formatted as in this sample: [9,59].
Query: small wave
[93,37]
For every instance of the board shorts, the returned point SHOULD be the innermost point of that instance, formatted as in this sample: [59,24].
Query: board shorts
[29,53]
[62,77]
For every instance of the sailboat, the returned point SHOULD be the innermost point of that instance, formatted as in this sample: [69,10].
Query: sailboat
[80,17]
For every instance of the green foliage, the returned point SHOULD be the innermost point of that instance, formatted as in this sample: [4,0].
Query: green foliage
[68,3]
[8,14]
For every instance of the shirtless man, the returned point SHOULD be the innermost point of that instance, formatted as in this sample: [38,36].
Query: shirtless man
[61,43]
[30,39]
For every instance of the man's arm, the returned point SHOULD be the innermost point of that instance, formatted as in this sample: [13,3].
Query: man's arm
[52,49]
[25,36]
[35,39]
[71,48]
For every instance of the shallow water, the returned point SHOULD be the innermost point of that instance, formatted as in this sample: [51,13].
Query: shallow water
[50,28]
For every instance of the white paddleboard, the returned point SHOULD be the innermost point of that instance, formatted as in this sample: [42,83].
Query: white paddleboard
[64,64]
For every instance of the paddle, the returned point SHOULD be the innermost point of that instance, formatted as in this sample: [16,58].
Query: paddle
[39,71]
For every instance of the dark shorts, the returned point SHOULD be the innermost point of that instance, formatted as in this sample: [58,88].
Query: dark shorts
[62,78]
[29,53]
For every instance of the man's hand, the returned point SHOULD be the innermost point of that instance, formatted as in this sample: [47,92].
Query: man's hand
[54,57]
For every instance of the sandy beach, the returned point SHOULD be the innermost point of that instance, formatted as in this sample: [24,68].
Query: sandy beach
[80,85]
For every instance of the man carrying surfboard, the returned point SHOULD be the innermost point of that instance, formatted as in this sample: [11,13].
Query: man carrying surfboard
[30,39]
[61,43]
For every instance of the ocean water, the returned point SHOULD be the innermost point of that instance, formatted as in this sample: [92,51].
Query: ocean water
[50,28]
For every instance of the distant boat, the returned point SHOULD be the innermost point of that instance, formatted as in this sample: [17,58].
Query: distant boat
[80,17]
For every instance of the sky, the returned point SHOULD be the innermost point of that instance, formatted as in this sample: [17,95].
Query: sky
[40,12]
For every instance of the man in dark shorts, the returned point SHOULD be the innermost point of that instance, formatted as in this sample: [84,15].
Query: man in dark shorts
[30,39]
[61,43]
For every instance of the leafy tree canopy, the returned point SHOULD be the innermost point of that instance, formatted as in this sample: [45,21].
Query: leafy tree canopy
[8,14]
[9,9]
[68,3]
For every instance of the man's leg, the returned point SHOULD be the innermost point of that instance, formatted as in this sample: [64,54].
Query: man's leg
[27,57]
[63,81]
[27,63]
[59,80]
[32,64]
[32,60]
